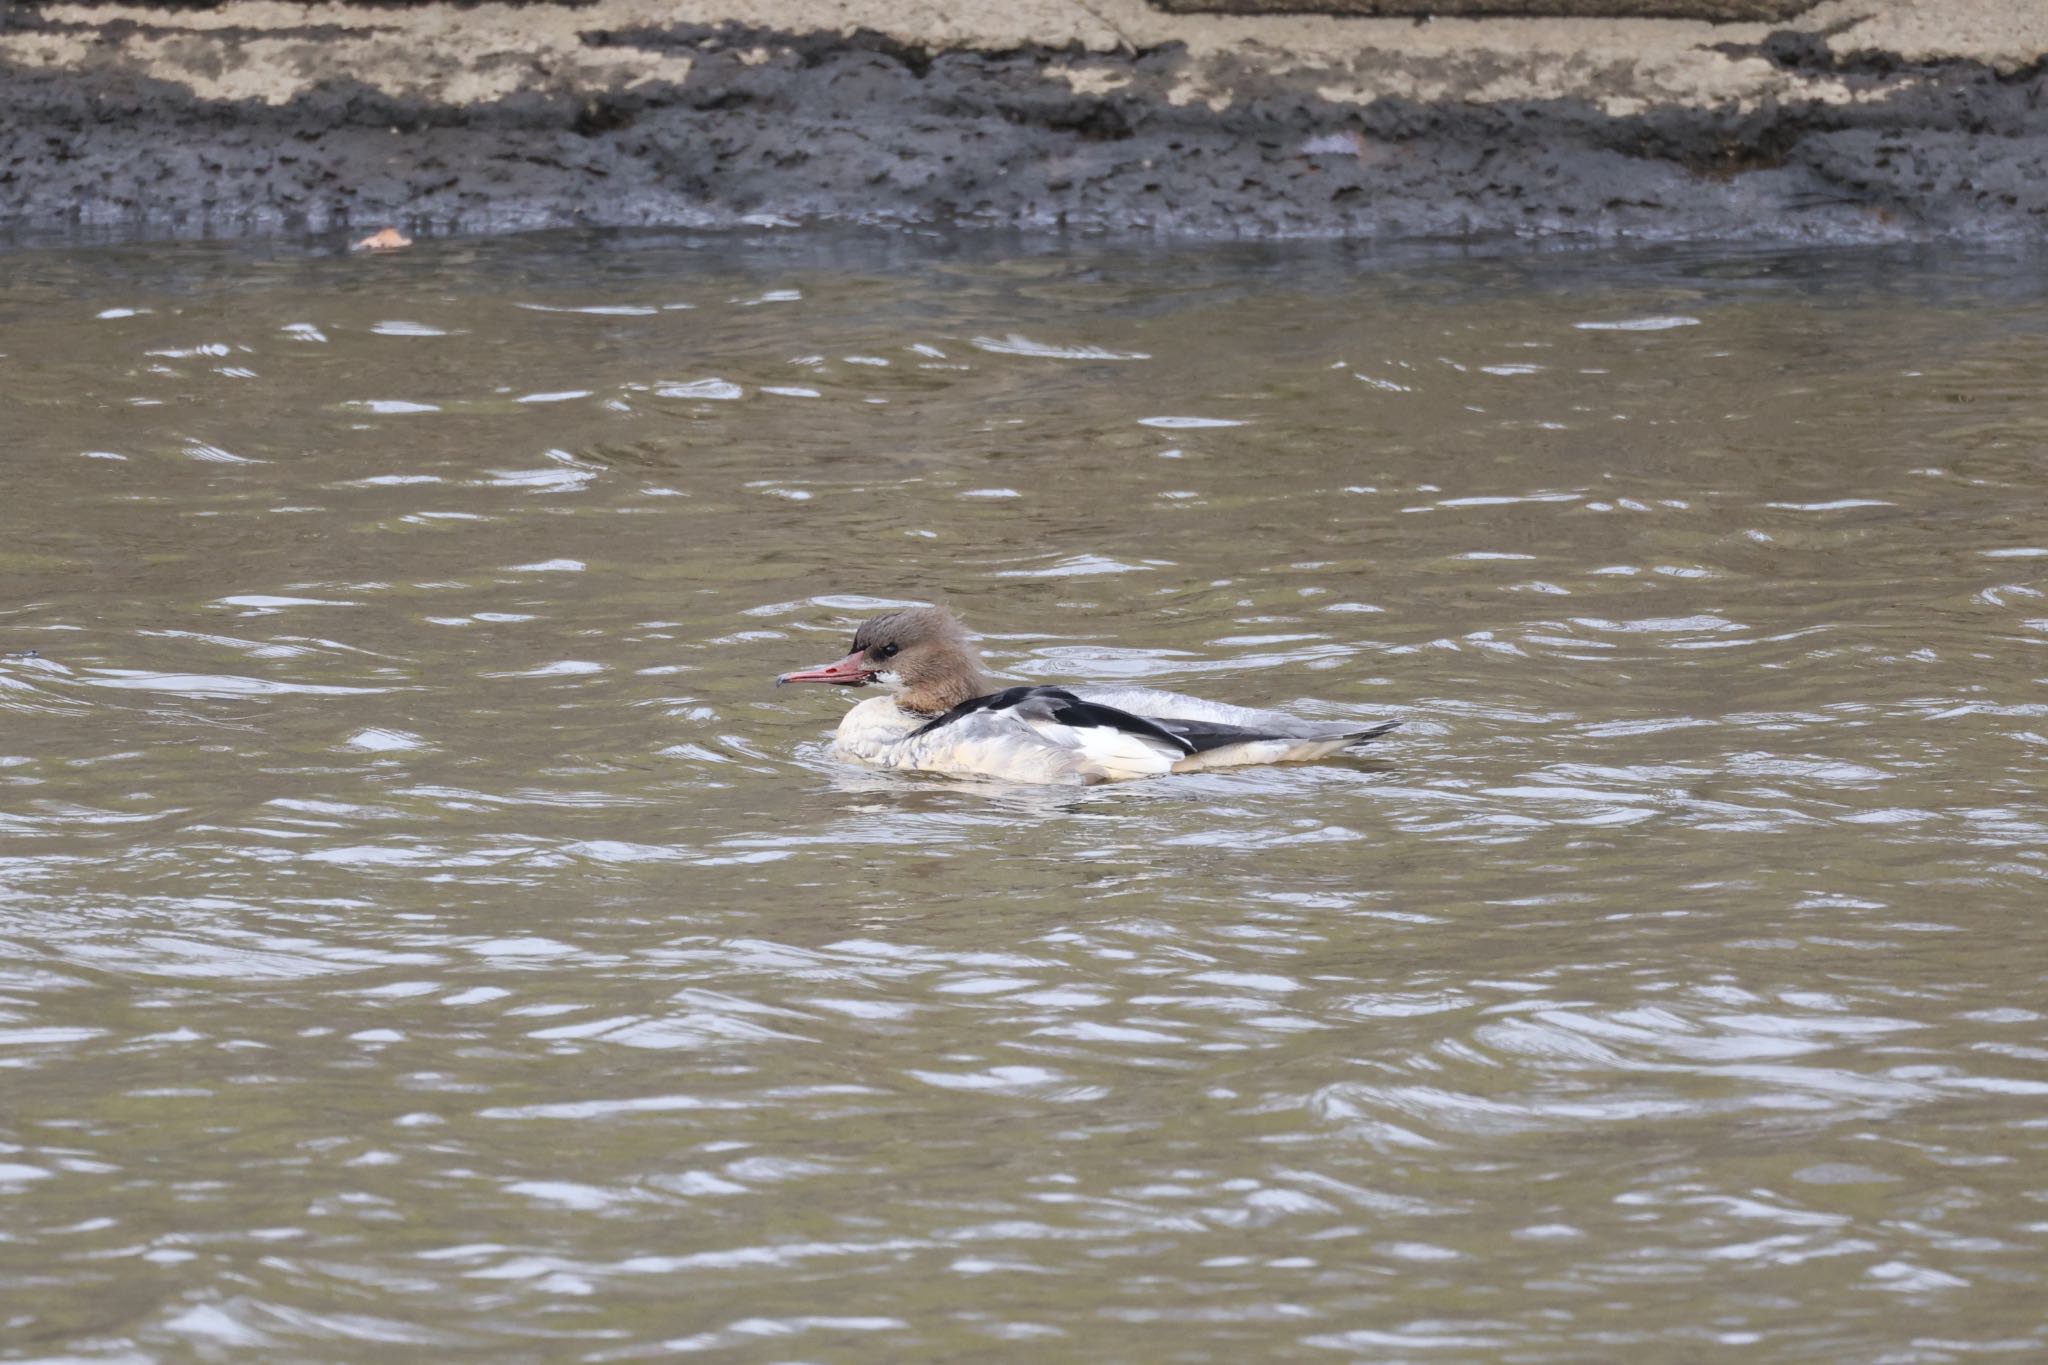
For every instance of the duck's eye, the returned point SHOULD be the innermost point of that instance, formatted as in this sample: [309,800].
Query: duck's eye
[888,651]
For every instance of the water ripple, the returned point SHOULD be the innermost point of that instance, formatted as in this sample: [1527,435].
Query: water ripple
[430,930]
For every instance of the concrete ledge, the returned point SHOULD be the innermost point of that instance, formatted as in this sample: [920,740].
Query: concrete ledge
[1850,120]
[1715,11]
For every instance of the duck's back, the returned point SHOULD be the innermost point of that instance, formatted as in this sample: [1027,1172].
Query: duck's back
[1081,735]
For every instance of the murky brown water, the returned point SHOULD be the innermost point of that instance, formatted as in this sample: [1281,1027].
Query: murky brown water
[425,930]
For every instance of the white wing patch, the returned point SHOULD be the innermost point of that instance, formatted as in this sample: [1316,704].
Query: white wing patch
[1107,752]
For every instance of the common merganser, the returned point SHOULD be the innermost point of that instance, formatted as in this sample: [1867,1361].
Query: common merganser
[945,717]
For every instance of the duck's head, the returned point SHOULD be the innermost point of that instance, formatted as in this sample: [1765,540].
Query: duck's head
[922,651]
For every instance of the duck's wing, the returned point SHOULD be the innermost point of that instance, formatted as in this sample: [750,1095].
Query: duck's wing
[1201,736]
[1056,706]
[1220,735]
[1095,741]
[1056,734]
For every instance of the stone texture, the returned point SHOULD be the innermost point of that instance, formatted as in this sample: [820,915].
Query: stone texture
[1714,11]
[1856,120]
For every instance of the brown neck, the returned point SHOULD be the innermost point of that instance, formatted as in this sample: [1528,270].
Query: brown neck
[942,683]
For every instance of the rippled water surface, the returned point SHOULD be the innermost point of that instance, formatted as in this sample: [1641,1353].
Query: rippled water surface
[424,931]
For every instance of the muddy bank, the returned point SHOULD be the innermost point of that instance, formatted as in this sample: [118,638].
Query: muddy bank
[1844,120]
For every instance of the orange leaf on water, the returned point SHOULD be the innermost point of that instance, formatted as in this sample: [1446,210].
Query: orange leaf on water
[388,239]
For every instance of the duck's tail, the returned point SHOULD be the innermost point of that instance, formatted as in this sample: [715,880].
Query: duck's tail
[1358,737]
[1215,751]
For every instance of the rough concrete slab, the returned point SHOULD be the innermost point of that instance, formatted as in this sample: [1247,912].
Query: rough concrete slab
[1853,120]
[1719,11]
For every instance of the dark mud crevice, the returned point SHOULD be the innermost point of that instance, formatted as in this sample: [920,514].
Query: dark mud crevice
[858,127]
[818,49]
[115,31]
[1811,53]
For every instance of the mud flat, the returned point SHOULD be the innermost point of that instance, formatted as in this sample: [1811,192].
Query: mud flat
[1846,120]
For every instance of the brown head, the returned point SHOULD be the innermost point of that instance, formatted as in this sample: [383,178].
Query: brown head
[921,649]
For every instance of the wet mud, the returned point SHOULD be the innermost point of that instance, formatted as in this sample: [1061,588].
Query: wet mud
[732,122]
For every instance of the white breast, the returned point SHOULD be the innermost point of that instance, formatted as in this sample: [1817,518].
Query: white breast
[868,730]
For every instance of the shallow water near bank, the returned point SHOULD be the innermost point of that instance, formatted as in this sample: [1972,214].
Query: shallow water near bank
[425,928]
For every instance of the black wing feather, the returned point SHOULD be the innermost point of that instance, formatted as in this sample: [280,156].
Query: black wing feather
[1189,736]
[1066,708]
[994,701]
[1074,711]
[1204,735]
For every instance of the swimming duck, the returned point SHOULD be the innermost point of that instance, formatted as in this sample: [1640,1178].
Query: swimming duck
[944,716]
